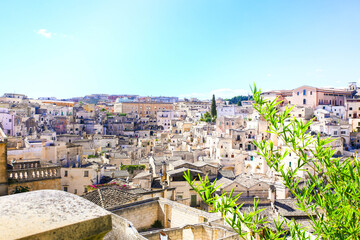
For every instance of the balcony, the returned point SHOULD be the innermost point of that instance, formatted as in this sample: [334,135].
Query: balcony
[33,174]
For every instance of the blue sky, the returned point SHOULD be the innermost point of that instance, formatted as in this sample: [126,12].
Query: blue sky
[176,47]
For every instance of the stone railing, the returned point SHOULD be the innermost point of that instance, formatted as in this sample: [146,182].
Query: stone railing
[34,174]
[26,165]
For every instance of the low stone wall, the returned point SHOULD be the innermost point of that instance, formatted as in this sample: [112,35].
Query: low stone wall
[180,215]
[142,213]
[173,233]
[203,231]
[52,214]
[122,229]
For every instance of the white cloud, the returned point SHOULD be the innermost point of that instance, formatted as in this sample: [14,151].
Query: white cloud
[268,75]
[222,93]
[45,33]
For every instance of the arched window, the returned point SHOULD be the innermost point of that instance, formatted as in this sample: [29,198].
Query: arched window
[304,101]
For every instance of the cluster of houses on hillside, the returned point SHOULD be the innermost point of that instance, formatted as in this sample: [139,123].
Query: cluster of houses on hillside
[120,150]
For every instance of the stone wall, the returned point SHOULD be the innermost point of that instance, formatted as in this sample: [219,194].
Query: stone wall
[3,169]
[177,215]
[142,216]
[174,233]
[194,232]
[179,218]
[122,229]
[53,184]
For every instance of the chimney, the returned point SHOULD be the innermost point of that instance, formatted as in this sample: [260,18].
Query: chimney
[272,194]
[163,170]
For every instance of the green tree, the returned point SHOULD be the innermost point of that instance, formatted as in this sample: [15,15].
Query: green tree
[237,100]
[330,197]
[206,117]
[21,189]
[213,108]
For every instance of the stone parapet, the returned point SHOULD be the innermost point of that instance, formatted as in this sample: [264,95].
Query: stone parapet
[52,214]
[33,174]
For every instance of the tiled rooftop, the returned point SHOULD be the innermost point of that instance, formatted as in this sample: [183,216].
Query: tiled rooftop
[110,197]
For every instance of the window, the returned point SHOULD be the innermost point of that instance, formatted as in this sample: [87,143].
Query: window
[335,133]
[289,164]
[85,190]
[75,191]
[298,93]
[304,92]
[86,173]
[66,173]
[310,92]
[9,120]
[251,158]
[193,202]
[350,108]
[304,101]
[65,189]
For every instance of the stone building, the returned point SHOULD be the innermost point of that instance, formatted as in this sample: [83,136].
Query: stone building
[143,109]
[76,179]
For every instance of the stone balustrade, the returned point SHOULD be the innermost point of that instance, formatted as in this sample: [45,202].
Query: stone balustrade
[33,174]
[26,165]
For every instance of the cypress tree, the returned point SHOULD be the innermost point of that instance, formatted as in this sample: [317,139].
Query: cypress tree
[213,107]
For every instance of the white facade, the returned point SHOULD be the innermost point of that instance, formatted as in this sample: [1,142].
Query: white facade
[164,118]
[7,122]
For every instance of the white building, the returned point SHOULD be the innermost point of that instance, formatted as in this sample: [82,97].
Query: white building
[7,122]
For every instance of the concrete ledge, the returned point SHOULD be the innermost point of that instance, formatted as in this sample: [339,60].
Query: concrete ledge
[52,214]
